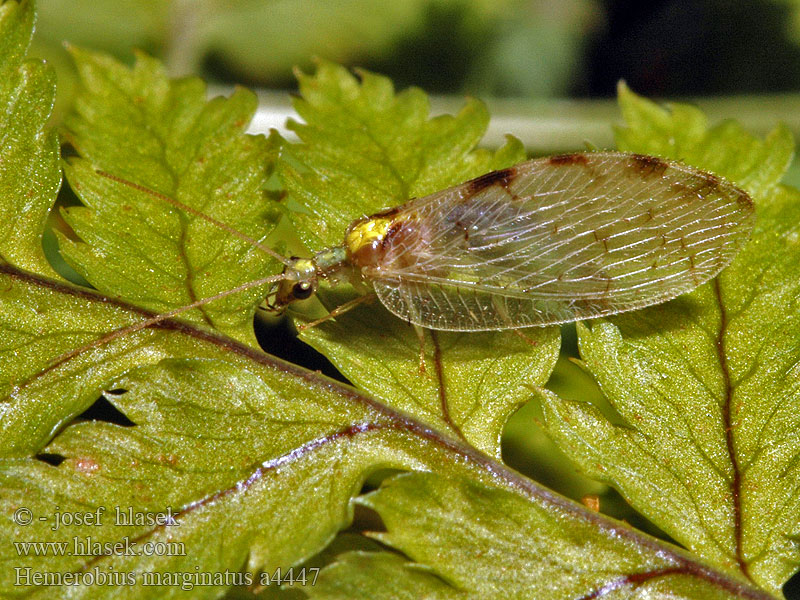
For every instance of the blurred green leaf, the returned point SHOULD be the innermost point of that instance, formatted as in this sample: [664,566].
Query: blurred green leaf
[138,247]
[483,46]
[341,31]
[29,172]
[536,48]
[706,384]
[111,25]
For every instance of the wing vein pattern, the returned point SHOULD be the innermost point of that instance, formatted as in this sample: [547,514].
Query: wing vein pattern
[560,239]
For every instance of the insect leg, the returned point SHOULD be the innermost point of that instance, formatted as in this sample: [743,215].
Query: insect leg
[503,312]
[533,343]
[421,337]
[341,309]
[418,329]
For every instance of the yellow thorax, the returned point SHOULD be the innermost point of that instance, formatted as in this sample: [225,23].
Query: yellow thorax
[367,232]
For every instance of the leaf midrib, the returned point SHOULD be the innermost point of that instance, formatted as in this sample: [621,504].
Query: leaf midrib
[476,462]
[730,442]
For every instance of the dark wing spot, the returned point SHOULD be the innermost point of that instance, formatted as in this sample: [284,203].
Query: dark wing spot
[569,159]
[463,228]
[387,212]
[648,165]
[704,185]
[400,236]
[712,181]
[744,199]
[400,232]
[502,178]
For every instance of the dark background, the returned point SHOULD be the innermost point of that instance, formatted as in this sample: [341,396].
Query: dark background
[486,48]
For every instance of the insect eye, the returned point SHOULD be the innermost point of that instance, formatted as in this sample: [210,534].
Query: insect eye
[302,290]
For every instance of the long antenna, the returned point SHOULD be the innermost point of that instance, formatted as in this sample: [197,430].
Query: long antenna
[184,207]
[154,320]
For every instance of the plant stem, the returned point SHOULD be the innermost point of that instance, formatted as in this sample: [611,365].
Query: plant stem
[549,126]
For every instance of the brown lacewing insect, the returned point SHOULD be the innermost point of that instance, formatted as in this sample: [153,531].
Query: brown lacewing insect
[547,241]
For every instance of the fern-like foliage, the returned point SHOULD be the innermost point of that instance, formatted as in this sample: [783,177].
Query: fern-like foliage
[228,466]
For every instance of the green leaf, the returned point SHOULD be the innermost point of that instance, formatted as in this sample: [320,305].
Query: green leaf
[256,464]
[366,148]
[29,172]
[706,384]
[143,250]
[727,149]
[51,372]
[105,24]
[490,543]
[258,458]
[379,575]
[140,248]
[472,381]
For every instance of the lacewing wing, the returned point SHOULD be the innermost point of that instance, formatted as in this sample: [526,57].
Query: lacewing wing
[549,241]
